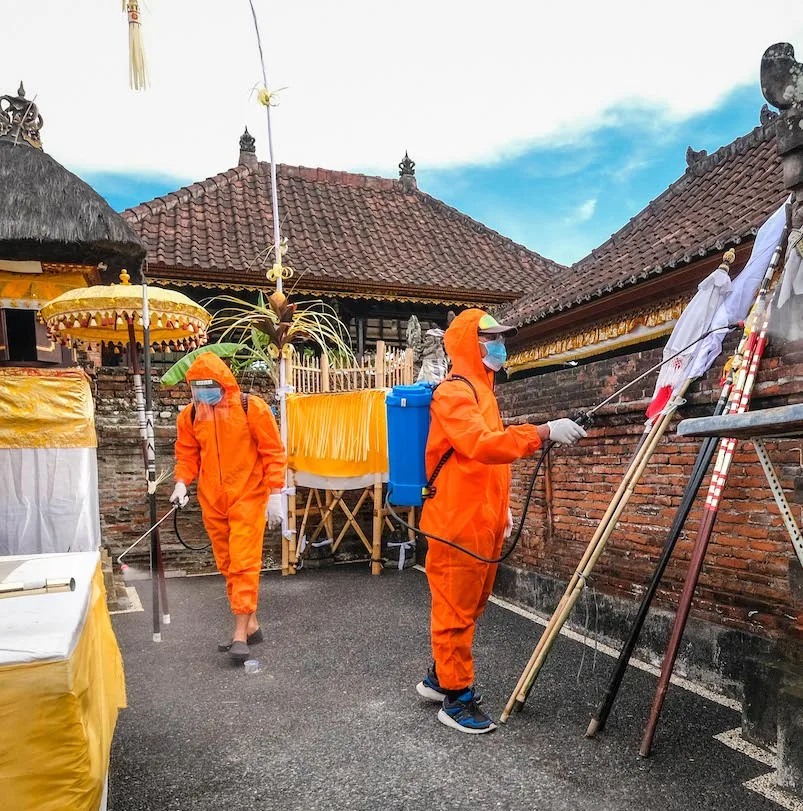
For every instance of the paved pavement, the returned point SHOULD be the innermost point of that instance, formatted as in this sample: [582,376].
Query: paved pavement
[332,720]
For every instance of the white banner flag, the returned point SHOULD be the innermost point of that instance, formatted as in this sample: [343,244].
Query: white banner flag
[694,321]
[743,292]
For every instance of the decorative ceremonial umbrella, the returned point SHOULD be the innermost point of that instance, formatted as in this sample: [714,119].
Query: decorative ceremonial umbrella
[131,313]
[113,315]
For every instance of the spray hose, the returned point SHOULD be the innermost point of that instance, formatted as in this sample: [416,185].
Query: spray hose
[584,420]
[174,511]
[145,535]
[182,541]
[544,452]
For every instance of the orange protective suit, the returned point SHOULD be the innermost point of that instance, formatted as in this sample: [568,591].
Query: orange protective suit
[470,504]
[240,458]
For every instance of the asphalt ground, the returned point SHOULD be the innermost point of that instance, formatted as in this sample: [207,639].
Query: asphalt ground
[332,720]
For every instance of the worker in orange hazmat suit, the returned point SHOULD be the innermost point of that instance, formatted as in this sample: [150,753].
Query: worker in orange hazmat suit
[470,505]
[231,442]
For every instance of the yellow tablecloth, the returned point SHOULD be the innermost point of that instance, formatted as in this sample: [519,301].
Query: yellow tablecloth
[57,719]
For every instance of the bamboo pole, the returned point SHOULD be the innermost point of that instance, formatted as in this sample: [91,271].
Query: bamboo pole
[594,549]
[331,503]
[581,581]
[589,550]
[305,517]
[351,521]
[292,520]
[379,514]
[324,372]
[379,367]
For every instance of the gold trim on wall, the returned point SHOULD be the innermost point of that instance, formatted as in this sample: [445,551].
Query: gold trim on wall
[652,322]
[374,295]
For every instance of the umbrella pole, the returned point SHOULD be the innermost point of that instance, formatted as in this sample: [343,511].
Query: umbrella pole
[139,395]
[142,410]
[157,562]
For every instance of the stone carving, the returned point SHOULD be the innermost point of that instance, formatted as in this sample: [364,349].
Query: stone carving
[407,166]
[692,156]
[781,76]
[247,142]
[428,352]
[20,119]
[434,366]
[407,174]
[782,85]
[766,115]
[414,337]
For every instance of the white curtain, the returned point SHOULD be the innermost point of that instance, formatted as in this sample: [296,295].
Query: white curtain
[48,500]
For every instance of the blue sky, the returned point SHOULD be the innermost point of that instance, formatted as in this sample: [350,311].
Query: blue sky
[559,200]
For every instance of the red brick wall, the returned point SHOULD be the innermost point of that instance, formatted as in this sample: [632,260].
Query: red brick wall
[751,576]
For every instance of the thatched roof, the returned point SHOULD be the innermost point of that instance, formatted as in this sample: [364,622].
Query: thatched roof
[48,214]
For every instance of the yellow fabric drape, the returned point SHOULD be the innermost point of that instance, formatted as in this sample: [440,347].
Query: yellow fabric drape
[46,408]
[341,434]
[40,287]
[57,720]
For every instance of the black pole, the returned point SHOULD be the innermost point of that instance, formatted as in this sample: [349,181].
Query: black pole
[159,586]
[701,464]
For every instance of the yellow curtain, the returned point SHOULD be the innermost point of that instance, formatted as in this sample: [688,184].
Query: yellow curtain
[46,408]
[57,719]
[39,287]
[341,434]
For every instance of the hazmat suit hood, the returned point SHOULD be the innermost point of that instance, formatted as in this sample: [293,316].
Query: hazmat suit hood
[208,366]
[462,344]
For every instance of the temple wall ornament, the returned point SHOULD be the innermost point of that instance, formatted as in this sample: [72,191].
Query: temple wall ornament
[629,329]
[782,85]
[20,118]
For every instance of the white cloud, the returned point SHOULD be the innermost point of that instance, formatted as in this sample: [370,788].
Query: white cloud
[453,82]
[584,212]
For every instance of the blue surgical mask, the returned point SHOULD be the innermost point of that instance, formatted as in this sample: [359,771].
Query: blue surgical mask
[210,396]
[497,355]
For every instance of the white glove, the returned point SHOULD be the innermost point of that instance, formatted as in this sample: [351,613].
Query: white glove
[565,431]
[275,511]
[180,496]
[509,525]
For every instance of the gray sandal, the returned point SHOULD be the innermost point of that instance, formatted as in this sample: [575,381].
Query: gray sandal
[239,652]
[253,639]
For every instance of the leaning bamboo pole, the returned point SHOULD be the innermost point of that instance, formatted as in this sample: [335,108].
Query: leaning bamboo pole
[738,404]
[649,442]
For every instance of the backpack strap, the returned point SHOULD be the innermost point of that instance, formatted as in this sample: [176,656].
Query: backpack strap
[429,491]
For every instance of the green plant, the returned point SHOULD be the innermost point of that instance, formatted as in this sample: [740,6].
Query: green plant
[268,328]
[176,373]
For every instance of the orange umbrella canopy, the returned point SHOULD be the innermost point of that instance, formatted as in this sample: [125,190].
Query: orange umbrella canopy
[102,314]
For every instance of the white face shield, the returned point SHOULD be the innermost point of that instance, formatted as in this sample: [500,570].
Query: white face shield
[206,392]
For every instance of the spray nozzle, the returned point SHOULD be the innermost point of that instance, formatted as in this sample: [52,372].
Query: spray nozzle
[583,419]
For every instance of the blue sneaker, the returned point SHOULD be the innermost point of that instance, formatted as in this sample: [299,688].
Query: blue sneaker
[464,715]
[431,689]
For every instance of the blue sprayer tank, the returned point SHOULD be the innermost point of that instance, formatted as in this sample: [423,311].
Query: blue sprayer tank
[408,429]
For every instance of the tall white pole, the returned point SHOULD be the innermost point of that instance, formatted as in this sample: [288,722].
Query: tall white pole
[277,251]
